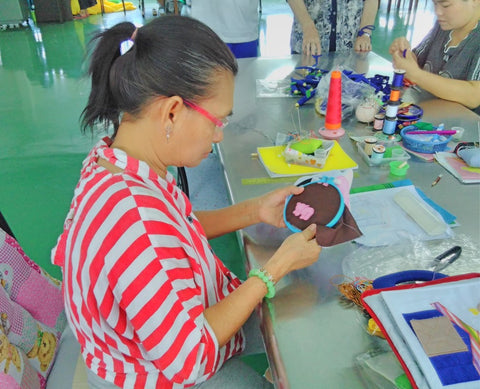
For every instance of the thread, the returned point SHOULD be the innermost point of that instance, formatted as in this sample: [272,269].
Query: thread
[369,143]
[377,152]
[389,125]
[398,78]
[392,109]
[352,290]
[333,119]
[378,121]
[394,95]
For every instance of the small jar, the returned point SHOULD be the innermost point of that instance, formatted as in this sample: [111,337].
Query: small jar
[369,143]
[378,121]
[389,126]
[377,152]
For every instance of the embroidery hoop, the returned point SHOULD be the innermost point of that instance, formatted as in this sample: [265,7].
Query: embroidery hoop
[335,219]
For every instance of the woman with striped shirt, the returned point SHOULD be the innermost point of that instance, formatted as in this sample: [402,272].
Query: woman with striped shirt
[150,303]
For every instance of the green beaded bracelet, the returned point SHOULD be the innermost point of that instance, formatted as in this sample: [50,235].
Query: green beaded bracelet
[266,278]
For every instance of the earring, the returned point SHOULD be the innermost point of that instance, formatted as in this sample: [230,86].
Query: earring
[168,129]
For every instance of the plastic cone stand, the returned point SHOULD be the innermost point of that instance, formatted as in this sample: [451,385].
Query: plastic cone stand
[333,119]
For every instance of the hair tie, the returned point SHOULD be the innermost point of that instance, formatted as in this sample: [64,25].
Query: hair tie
[128,43]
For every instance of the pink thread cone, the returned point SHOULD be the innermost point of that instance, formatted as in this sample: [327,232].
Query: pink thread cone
[333,119]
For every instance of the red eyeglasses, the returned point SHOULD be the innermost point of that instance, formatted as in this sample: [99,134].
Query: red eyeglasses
[220,123]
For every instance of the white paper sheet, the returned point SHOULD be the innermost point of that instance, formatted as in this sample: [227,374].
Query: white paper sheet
[383,222]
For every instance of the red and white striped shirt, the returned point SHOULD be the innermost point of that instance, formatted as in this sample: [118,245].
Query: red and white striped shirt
[138,274]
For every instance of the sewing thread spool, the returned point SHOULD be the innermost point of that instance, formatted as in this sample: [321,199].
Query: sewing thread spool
[369,143]
[333,118]
[389,125]
[394,95]
[392,109]
[377,152]
[378,121]
[398,75]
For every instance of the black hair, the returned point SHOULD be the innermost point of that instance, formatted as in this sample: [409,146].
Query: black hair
[171,56]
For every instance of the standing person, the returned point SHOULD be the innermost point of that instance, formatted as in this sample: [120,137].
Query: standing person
[447,62]
[84,4]
[151,304]
[321,26]
[236,22]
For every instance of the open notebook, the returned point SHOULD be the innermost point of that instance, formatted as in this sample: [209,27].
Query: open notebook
[458,168]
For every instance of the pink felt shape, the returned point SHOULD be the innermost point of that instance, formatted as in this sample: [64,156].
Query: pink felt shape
[30,286]
[303,211]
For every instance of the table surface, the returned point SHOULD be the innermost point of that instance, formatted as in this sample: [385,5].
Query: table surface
[309,336]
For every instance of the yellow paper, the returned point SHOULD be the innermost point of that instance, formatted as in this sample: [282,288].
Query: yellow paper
[273,160]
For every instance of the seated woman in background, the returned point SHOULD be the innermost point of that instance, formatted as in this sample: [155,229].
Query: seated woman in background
[447,61]
[151,304]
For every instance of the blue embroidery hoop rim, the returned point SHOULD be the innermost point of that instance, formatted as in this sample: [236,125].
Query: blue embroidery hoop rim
[335,219]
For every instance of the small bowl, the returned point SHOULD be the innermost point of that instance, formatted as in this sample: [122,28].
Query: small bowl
[396,170]
[421,144]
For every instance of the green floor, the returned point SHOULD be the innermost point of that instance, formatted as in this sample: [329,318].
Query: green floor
[42,95]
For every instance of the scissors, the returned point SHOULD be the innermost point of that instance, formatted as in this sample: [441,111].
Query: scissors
[414,276]
[443,260]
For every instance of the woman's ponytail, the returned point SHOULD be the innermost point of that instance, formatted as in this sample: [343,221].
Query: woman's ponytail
[102,106]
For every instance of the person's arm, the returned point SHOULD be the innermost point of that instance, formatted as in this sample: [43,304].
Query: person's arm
[311,37]
[370,8]
[459,91]
[228,315]
[267,209]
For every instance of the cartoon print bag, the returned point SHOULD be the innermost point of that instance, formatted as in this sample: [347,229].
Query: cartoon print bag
[325,202]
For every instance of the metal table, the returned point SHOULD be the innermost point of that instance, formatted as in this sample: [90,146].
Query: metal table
[311,340]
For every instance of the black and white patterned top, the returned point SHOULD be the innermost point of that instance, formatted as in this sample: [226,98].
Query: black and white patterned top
[337,22]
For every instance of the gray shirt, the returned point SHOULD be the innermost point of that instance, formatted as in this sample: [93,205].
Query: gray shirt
[460,62]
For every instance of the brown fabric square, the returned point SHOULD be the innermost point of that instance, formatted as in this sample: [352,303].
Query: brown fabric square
[438,336]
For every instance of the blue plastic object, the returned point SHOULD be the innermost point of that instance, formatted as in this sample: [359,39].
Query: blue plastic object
[401,277]
[428,144]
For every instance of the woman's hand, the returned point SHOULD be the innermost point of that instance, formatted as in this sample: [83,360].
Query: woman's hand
[363,43]
[270,205]
[299,250]
[399,45]
[407,61]
[311,40]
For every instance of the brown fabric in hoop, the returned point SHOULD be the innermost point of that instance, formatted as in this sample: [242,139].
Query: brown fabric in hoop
[325,201]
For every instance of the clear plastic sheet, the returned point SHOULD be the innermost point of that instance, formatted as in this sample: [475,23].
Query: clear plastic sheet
[273,88]
[379,367]
[353,93]
[373,262]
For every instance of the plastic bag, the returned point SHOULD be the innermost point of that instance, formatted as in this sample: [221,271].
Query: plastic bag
[353,93]
[371,263]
